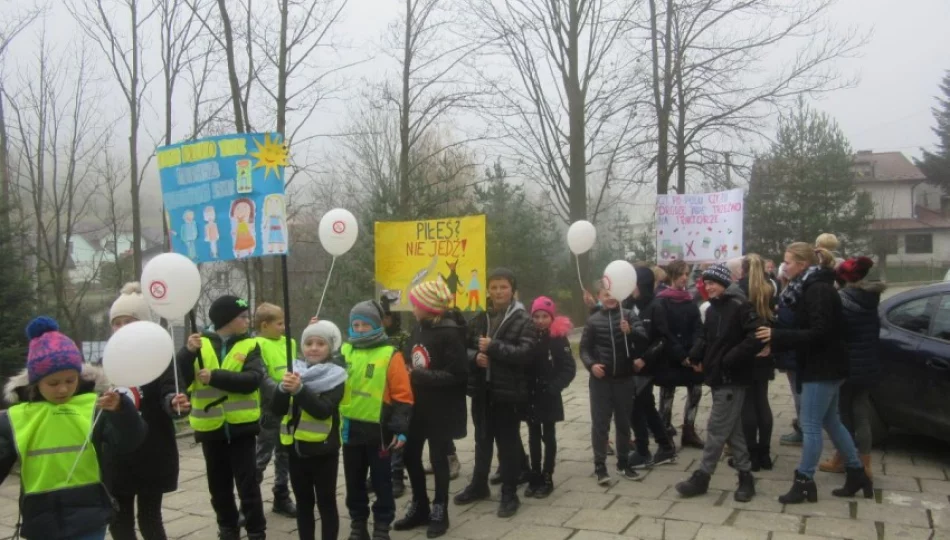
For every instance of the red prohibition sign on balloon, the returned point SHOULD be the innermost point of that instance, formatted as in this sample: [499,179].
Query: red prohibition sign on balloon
[607,283]
[339,227]
[158,289]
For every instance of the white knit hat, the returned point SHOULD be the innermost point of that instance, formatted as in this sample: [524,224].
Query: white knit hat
[326,330]
[130,303]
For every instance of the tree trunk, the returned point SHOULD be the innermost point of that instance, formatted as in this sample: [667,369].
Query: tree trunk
[134,146]
[662,93]
[405,196]
[4,171]
[232,68]
[577,138]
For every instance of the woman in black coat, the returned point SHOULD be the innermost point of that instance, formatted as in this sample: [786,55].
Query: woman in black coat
[438,372]
[553,370]
[822,358]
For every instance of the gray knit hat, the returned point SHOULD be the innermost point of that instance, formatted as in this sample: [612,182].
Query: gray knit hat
[720,274]
[326,330]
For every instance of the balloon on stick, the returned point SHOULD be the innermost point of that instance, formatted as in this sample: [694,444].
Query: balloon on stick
[137,354]
[580,239]
[171,284]
[620,280]
[338,232]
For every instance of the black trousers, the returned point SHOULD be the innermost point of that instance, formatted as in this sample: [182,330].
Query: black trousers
[542,432]
[645,419]
[497,423]
[438,456]
[150,516]
[313,480]
[233,463]
[757,416]
[358,460]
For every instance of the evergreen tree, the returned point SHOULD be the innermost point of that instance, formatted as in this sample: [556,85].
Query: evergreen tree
[936,165]
[16,300]
[804,187]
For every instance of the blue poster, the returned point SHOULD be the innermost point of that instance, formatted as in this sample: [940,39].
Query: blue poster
[224,196]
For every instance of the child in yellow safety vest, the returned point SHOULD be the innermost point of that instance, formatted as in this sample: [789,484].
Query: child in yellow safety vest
[271,336]
[222,370]
[54,404]
[308,400]
[374,414]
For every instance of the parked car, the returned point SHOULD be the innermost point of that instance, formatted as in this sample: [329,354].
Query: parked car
[914,392]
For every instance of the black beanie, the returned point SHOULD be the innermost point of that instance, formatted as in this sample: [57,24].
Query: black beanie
[720,274]
[505,274]
[225,309]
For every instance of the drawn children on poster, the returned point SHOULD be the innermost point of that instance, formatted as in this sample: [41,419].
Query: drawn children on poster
[242,227]
[211,231]
[274,224]
[474,291]
[452,281]
[189,233]
[243,180]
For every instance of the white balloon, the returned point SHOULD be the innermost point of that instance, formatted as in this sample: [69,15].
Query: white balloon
[137,354]
[171,284]
[581,236]
[338,231]
[620,279]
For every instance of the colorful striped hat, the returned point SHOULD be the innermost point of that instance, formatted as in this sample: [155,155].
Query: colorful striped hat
[431,296]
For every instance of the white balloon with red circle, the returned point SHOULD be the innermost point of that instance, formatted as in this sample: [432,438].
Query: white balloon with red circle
[419,357]
[620,279]
[338,231]
[137,354]
[171,284]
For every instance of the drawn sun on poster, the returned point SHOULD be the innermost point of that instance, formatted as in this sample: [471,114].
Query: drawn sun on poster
[271,155]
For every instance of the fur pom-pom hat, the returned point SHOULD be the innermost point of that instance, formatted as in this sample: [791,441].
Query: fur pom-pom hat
[130,303]
[51,351]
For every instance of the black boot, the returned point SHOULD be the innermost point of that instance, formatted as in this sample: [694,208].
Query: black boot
[495,478]
[227,533]
[546,488]
[438,520]
[746,489]
[509,502]
[399,486]
[754,457]
[380,531]
[856,480]
[534,484]
[359,531]
[698,484]
[690,438]
[765,457]
[257,536]
[472,493]
[284,505]
[803,489]
[417,515]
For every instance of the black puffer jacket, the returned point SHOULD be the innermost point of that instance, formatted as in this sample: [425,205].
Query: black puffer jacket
[439,390]
[859,303]
[727,346]
[318,405]
[604,343]
[675,315]
[819,332]
[513,341]
[552,371]
[785,318]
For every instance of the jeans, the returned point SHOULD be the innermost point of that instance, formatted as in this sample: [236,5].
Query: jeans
[725,425]
[358,460]
[542,432]
[611,397]
[668,394]
[268,444]
[497,423]
[438,456]
[795,395]
[314,483]
[757,416]
[150,516]
[855,409]
[231,463]
[645,419]
[820,409]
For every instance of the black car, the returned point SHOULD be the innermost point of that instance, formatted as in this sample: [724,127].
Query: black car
[914,392]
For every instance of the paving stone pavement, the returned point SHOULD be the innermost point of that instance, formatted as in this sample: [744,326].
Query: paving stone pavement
[912,486]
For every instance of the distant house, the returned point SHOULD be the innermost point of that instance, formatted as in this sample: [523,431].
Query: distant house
[89,250]
[914,215]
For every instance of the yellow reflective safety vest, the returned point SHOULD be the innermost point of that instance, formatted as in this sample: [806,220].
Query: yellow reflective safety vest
[48,439]
[366,371]
[211,407]
[307,429]
[274,354]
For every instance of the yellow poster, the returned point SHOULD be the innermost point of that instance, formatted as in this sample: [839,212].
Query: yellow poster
[450,249]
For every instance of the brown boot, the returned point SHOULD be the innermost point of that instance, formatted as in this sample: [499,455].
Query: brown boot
[833,465]
[866,459]
[690,439]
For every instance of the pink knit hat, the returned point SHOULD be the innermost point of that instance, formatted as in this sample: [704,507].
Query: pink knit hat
[545,304]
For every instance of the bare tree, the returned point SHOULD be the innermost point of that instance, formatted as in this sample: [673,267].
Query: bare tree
[123,49]
[180,32]
[58,136]
[114,214]
[718,74]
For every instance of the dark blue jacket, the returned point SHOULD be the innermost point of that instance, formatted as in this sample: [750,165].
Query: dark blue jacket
[859,302]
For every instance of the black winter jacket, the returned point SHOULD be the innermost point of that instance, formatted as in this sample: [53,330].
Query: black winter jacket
[551,373]
[859,303]
[322,406]
[604,343]
[68,513]
[510,355]
[245,381]
[439,390]
[764,369]
[674,316]
[727,346]
[819,332]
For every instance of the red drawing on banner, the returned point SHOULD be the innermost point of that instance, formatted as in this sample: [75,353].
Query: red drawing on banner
[158,289]
[339,227]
